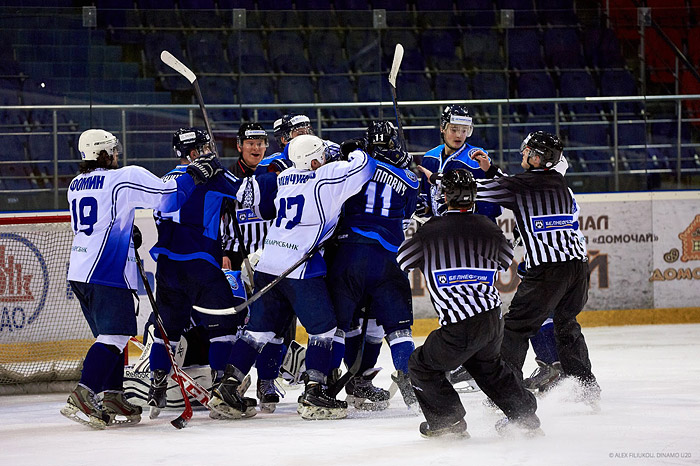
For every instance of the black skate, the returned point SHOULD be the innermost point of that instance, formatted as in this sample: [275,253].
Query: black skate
[364,395]
[462,380]
[157,394]
[269,395]
[119,410]
[227,401]
[316,403]
[456,429]
[403,383]
[545,377]
[84,407]
[528,426]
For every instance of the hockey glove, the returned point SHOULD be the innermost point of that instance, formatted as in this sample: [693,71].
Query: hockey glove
[331,151]
[352,144]
[137,237]
[203,168]
[521,270]
[279,165]
[423,205]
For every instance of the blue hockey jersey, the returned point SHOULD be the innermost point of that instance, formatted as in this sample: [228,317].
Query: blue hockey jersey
[377,212]
[192,232]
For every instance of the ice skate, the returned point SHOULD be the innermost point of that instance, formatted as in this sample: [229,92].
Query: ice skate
[269,395]
[227,401]
[528,426]
[316,403]
[544,377]
[403,383]
[157,393]
[457,430]
[462,380]
[84,407]
[364,395]
[119,410]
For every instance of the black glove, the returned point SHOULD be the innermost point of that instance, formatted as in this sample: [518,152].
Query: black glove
[279,165]
[138,239]
[203,168]
[521,270]
[352,144]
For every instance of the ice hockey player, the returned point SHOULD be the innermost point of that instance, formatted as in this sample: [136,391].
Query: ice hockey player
[308,202]
[188,256]
[364,269]
[460,255]
[557,275]
[102,270]
[287,128]
[456,126]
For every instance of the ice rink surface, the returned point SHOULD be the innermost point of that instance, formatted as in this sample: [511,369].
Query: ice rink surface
[650,414]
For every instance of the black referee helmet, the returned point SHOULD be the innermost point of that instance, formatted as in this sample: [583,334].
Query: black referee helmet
[459,188]
[547,145]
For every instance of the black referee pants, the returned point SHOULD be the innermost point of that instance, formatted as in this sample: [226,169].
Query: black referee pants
[475,343]
[560,288]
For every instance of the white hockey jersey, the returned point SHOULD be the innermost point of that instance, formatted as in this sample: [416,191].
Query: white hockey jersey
[102,205]
[308,206]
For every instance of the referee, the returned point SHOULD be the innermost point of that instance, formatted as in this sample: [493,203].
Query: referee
[555,257]
[460,255]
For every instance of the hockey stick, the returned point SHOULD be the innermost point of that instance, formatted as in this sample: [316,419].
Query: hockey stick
[186,415]
[192,387]
[393,73]
[262,291]
[170,60]
[334,389]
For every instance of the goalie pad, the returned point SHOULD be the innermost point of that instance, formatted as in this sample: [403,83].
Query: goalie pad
[137,377]
[294,363]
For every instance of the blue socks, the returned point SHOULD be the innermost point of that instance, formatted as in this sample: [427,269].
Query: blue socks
[99,367]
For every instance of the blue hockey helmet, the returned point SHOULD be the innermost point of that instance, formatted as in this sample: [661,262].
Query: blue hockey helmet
[547,145]
[459,188]
[384,144]
[457,115]
[186,139]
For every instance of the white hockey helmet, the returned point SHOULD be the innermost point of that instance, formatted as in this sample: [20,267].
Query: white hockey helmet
[94,141]
[305,148]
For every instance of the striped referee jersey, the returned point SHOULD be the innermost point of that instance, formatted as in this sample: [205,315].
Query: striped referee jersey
[545,211]
[253,227]
[460,255]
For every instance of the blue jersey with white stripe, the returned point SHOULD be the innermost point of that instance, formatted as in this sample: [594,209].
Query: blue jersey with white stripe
[377,212]
[102,204]
[433,161]
[192,232]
